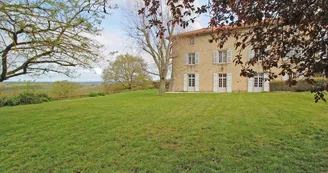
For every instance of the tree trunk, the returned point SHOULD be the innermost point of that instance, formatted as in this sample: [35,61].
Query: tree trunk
[162,86]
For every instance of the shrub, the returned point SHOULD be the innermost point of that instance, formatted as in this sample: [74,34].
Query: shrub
[301,86]
[64,89]
[25,98]
[101,94]
[3,101]
[92,94]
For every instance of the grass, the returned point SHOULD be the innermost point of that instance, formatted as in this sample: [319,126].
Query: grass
[13,89]
[142,132]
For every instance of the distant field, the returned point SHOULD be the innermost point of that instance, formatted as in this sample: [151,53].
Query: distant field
[143,132]
[11,89]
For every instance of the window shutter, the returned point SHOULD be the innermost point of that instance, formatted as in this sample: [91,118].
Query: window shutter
[269,53]
[197,58]
[186,59]
[266,86]
[285,77]
[229,56]
[196,82]
[250,84]
[216,57]
[185,82]
[250,53]
[229,82]
[215,82]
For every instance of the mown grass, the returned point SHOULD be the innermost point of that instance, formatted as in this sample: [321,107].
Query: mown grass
[140,132]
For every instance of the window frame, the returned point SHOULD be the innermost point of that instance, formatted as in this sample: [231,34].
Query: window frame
[222,80]
[192,80]
[191,60]
[259,80]
[191,40]
[221,57]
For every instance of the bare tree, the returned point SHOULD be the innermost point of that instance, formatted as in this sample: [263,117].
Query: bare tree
[146,38]
[39,36]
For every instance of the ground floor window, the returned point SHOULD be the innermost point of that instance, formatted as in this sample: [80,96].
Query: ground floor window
[191,79]
[258,80]
[222,80]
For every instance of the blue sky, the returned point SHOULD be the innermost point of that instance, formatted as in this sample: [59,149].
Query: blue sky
[113,38]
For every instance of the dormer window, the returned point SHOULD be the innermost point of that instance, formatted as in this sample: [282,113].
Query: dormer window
[192,40]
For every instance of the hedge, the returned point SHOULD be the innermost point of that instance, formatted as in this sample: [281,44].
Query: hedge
[301,86]
[25,98]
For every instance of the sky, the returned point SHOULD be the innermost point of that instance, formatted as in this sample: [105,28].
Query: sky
[114,38]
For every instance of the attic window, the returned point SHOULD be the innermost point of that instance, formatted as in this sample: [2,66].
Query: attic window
[192,40]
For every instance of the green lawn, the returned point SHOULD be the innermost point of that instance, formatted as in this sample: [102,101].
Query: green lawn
[142,132]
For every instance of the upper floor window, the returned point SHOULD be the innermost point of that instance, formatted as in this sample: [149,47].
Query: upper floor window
[192,40]
[294,75]
[191,58]
[222,56]
[294,52]
[257,53]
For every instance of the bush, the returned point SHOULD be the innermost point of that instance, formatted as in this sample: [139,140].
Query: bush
[3,101]
[101,94]
[301,86]
[25,98]
[93,94]
[64,89]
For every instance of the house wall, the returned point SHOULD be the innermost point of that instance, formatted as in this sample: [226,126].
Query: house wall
[206,68]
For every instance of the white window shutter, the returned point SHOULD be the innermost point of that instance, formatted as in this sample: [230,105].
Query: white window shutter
[186,59]
[229,82]
[216,57]
[250,84]
[266,86]
[196,82]
[250,54]
[197,56]
[215,82]
[185,82]
[229,56]
[285,77]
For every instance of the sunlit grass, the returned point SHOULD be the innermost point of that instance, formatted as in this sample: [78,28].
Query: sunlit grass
[141,131]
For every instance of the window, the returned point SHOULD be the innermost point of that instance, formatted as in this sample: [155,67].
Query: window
[258,80]
[259,55]
[222,56]
[192,40]
[222,80]
[191,79]
[294,52]
[191,58]
[294,76]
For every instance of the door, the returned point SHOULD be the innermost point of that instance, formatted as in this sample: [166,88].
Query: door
[258,82]
[222,82]
[191,82]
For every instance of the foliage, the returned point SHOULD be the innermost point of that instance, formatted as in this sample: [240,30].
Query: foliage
[127,70]
[156,84]
[25,98]
[40,36]
[101,94]
[289,35]
[126,132]
[301,86]
[93,94]
[64,89]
